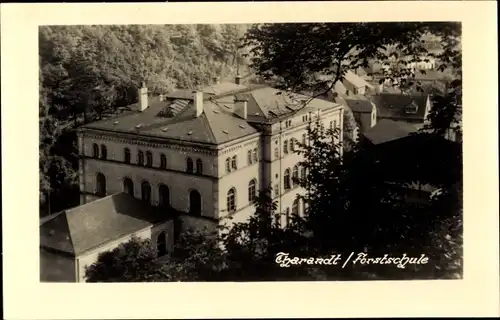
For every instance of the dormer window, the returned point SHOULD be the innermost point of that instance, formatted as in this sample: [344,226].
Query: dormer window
[411,109]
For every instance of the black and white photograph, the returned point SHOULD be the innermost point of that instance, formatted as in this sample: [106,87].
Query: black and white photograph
[250,152]
[302,159]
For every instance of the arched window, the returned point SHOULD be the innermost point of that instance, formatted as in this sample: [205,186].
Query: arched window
[189,165]
[199,166]
[295,207]
[195,202]
[231,200]
[286,180]
[161,244]
[292,145]
[255,155]
[104,152]
[146,192]
[128,186]
[163,161]
[95,150]
[164,196]
[228,165]
[285,147]
[252,190]
[149,159]
[249,157]
[140,158]
[234,163]
[295,175]
[126,155]
[100,185]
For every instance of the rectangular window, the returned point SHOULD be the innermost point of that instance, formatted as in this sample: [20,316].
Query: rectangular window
[276,153]
[249,157]
[276,190]
[234,164]
[255,155]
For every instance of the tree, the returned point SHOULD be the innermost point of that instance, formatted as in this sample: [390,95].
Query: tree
[89,72]
[307,57]
[131,261]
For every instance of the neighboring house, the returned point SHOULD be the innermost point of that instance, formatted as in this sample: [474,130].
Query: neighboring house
[356,85]
[365,112]
[205,153]
[73,238]
[401,107]
[352,92]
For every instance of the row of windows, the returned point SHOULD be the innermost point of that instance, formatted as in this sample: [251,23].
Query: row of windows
[231,196]
[290,146]
[164,193]
[290,179]
[232,162]
[252,156]
[148,157]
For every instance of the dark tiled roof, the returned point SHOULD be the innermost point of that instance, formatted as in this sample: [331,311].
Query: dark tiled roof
[93,224]
[392,105]
[359,104]
[174,118]
[387,130]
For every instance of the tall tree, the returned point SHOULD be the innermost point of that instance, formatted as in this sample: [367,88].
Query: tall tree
[305,57]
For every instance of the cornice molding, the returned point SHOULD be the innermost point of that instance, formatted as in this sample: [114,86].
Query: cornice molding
[148,143]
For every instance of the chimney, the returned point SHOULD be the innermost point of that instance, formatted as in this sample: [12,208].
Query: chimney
[198,102]
[237,79]
[240,106]
[143,97]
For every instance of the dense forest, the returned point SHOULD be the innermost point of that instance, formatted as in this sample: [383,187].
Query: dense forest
[89,71]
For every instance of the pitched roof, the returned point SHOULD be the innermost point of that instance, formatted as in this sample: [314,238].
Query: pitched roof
[273,103]
[392,105]
[387,130]
[96,223]
[356,80]
[174,118]
[359,104]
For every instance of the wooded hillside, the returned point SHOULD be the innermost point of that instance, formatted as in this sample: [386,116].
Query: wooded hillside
[88,71]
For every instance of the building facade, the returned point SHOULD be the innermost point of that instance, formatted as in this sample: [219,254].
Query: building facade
[205,154]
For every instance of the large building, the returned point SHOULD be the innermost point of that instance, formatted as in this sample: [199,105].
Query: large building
[205,153]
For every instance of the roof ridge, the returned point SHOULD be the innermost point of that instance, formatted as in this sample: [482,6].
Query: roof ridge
[207,122]
[237,91]
[95,201]
[70,236]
